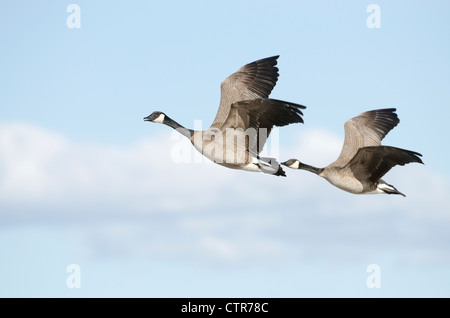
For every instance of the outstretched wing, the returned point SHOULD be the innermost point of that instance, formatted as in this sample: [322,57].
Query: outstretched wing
[372,163]
[258,116]
[366,130]
[254,80]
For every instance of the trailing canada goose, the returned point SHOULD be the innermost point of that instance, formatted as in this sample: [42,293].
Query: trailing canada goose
[244,120]
[363,161]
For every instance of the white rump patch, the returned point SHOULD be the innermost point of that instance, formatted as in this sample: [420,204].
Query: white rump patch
[384,186]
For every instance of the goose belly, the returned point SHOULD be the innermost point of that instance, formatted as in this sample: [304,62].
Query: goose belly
[228,158]
[347,183]
[218,152]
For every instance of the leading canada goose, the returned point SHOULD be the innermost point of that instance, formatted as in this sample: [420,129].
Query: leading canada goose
[244,120]
[363,161]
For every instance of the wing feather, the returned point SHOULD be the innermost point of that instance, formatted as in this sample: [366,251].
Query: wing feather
[366,130]
[251,81]
[372,163]
[260,115]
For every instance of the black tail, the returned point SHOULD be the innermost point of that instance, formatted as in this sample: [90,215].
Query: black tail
[280,172]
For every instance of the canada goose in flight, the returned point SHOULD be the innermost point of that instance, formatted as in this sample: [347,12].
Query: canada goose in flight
[244,120]
[363,161]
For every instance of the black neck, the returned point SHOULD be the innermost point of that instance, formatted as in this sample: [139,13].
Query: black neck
[182,130]
[310,168]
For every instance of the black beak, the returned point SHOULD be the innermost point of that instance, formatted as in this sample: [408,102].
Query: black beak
[147,118]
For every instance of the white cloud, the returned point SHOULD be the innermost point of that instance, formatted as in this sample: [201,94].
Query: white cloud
[27,155]
[41,167]
[133,199]
[44,168]
[316,146]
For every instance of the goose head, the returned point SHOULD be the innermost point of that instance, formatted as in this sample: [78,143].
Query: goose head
[156,117]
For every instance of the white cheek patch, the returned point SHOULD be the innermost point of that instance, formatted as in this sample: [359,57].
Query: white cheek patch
[159,119]
[295,165]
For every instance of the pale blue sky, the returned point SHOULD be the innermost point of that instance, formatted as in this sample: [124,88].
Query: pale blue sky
[84,180]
